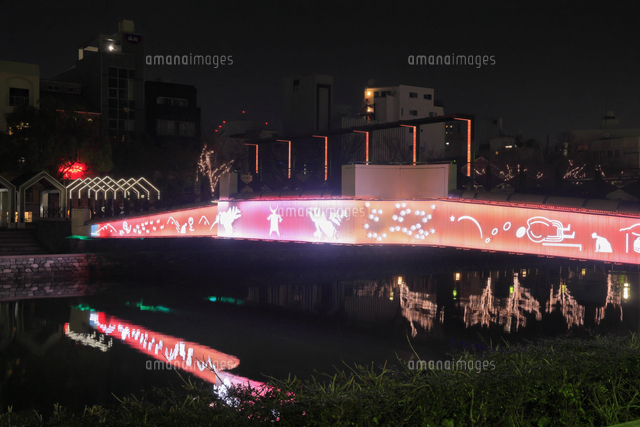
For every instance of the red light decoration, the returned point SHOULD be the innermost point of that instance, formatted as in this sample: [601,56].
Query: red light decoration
[488,227]
[191,222]
[366,147]
[469,160]
[415,130]
[75,171]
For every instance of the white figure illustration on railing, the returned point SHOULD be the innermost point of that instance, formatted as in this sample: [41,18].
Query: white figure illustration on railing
[325,225]
[602,244]
[227,218]
[275,219]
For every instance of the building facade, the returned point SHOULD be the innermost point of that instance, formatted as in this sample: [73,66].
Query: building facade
[172,113]
[616,150]
[308,104]
[384,104]
[110,69]
[19,85]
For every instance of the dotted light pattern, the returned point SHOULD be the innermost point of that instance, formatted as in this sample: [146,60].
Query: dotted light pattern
[413,223]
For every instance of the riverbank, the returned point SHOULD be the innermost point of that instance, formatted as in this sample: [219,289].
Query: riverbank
[559,381]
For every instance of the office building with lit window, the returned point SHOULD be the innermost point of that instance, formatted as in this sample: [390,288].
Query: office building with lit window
[383,104]
[110,69]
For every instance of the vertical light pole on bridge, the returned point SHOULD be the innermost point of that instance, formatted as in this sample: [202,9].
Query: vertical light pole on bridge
[471,173]
[416,141]
[326,154]
[289,162]
[366,144]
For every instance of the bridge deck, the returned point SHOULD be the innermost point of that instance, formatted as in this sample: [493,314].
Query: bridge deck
[491,226]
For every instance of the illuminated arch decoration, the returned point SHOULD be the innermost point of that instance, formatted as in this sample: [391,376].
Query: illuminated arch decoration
[28,183]
[108,185]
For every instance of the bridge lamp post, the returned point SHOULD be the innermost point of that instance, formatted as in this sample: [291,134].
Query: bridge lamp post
[326,155]
[366,146]
[415,142]
[289,163]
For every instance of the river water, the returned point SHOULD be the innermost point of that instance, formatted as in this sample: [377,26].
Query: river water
[84,350]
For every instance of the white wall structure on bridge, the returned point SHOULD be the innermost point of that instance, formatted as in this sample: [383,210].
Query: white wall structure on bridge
[398,181]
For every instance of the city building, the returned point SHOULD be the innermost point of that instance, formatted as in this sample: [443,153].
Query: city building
[110,70]
[616,150]
[308,104]
[67,96]
[384,104]
[19,85]
[172,113]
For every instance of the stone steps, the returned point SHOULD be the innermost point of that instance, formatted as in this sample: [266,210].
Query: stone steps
[19,242]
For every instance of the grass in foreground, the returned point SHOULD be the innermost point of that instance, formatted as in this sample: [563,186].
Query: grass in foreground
[555,382]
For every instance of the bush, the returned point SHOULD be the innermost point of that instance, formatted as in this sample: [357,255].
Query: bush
[555,382]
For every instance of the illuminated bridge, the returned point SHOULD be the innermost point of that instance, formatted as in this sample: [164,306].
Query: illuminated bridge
[581,229]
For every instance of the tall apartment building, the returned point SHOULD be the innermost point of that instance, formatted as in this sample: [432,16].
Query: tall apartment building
[384,104]
[110,69]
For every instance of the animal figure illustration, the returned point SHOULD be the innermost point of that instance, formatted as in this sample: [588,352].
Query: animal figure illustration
[227,218]
[324,225]
[275,219]
[602,244]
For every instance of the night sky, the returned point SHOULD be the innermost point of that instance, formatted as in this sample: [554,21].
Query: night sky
[555,68]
